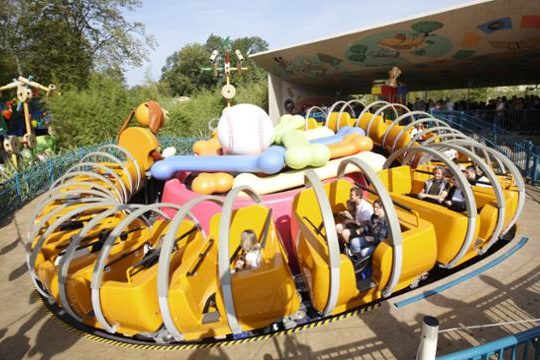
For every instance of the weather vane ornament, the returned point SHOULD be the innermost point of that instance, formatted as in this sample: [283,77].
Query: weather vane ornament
[228,90]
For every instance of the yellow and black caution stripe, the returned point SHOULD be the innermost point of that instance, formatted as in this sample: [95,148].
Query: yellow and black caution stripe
[102,337]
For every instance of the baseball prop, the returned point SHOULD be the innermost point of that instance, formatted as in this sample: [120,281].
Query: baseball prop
[300,153]
[291,179]
[287,123]
[209,183]
[269,162]
[351,144]
[339,136]
[245,129]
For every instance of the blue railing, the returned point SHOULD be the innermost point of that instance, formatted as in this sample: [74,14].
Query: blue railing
[26,185]
[525,345]
[522,121]
[524,153]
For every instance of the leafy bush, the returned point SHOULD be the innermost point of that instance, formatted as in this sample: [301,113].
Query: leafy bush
[191,118]
[93,115]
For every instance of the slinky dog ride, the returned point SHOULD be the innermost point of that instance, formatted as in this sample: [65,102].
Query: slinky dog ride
[161,273]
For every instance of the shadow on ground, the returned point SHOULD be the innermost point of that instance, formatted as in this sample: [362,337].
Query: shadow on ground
[394,339]
[51,339]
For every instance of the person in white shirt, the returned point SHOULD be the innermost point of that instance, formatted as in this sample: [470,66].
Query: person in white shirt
[417,133]
[362,213]
[252,257]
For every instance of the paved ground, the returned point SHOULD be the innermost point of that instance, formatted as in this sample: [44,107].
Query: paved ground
[508,292]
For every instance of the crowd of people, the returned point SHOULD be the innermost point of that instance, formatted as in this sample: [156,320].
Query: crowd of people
[501,103]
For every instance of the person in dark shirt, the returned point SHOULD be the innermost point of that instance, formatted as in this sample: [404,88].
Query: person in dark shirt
[455,199]
[371,235]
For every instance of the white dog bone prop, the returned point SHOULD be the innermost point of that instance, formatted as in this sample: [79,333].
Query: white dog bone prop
[291,179]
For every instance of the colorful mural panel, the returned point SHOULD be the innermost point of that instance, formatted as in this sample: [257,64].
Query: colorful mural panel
[395,47]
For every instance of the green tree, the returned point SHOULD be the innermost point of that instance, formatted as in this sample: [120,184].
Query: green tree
[62,41]
[183,74]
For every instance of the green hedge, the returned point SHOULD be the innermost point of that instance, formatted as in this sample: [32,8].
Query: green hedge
[93,115]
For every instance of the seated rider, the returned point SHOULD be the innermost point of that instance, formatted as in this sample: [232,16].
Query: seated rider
[345,219]
[416,132]
[436,188]
[368,237]
[455,199]
[252,257]
[362,211]
[472,177]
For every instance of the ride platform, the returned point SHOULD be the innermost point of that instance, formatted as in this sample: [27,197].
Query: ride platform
[503,287]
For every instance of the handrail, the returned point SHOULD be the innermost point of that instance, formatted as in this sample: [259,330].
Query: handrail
[33,253]
[200,259]
[266,228]
[498,346]
[149,259]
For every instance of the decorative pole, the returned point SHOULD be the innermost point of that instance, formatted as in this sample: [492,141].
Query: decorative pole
[228,90]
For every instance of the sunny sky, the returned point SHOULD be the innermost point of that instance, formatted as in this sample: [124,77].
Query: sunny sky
[281,23]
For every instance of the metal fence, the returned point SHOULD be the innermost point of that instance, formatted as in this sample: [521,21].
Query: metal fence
[525,345]
[523,121]
[524,153]
[26,185]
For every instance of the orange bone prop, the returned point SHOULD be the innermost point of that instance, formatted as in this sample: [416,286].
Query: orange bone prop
[209,183]
[351,144]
